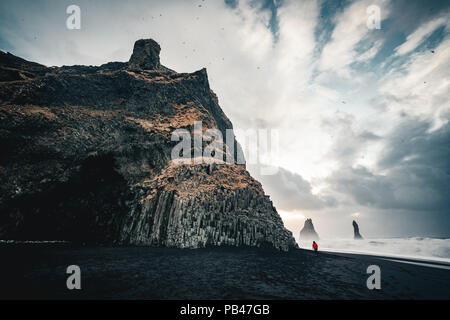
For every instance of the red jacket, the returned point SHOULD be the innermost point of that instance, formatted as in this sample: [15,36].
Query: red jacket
[315,246]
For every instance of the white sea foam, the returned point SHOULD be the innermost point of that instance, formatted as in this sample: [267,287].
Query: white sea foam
[419,248]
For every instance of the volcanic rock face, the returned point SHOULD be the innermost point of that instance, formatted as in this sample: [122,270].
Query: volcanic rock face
[86,156]
[145,55]
[308,232]
[357,235]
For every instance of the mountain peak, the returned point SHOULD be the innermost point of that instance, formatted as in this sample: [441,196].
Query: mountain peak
[145,55]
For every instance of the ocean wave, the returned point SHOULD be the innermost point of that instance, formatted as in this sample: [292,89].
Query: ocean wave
[415,247]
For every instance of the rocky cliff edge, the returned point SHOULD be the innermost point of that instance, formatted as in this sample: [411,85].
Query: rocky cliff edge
[86,156]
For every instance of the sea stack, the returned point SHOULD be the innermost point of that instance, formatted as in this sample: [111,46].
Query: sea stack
[308,232]
[357,235]
[87,157]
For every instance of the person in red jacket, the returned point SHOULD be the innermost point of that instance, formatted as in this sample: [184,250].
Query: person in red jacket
[315,246]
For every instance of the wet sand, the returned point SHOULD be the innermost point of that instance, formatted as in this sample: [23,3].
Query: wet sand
[38,271]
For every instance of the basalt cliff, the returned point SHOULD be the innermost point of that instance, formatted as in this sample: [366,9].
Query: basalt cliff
[86,157]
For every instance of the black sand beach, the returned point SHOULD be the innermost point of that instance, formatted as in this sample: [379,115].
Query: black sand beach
[38,271]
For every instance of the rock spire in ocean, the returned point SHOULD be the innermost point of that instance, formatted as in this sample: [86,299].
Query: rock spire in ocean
[308,232]
[357,235]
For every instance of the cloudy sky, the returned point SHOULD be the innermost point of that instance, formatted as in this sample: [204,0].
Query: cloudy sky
[362,113]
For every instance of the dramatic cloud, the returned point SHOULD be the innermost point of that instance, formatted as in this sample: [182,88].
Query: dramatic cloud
[351,28]
[421,87]
[291,192]
[418,36]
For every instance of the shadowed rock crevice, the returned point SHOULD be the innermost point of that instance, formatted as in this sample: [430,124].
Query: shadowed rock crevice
[88,207]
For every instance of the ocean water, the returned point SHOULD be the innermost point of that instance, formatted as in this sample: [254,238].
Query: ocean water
[417,248]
